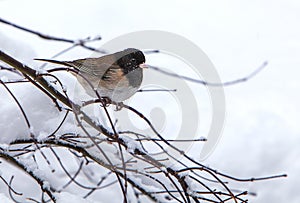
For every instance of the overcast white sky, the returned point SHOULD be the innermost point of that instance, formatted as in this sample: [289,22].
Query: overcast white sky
[262,132]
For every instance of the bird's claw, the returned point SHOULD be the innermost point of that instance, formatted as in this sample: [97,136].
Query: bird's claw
[119,106]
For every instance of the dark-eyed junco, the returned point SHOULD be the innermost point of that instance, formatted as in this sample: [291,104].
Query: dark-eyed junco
[116,76]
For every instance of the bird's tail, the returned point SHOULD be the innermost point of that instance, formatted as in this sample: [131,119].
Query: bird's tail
[65,63]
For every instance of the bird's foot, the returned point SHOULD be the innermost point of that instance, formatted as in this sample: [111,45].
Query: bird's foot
[119,106]
[106,101]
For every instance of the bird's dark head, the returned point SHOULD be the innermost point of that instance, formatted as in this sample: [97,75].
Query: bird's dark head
[130,59]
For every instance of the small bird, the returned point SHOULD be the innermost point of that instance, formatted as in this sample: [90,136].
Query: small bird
[114,76]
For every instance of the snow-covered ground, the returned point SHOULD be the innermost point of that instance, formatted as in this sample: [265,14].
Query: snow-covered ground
[261,133]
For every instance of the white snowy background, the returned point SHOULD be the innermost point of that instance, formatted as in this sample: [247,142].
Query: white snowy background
[261,134]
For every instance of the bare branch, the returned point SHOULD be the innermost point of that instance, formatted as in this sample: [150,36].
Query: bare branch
[81,43]
[228,83]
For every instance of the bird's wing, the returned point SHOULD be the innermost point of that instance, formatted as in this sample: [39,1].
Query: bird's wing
[95,67]
[91,66]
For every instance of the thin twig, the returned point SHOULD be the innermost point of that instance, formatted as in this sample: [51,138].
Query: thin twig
[228,83]
[60,39]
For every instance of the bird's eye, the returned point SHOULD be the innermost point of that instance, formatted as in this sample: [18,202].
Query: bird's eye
[133,60]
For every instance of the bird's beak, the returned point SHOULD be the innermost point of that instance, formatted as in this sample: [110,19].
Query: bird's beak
[143,65]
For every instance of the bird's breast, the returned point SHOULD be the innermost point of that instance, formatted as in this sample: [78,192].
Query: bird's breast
[119,87]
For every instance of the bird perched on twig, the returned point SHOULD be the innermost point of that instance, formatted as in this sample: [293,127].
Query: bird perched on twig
[114,76]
